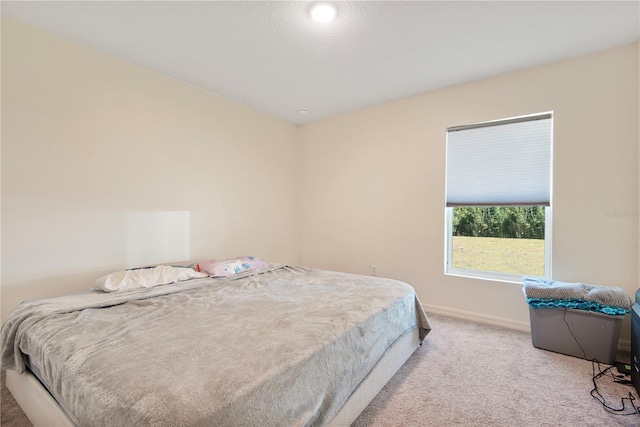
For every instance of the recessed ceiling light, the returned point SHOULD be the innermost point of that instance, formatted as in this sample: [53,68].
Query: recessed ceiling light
[303,111]
[323,12]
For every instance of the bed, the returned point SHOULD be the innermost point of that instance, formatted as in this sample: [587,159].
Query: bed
[277,346]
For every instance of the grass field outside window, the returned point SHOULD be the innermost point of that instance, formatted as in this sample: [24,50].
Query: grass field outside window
[515,256]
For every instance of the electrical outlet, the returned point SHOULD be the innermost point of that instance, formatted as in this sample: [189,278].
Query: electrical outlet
[373,270]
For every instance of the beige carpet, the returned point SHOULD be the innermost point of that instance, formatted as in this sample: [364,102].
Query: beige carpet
[468,374]
[10,413]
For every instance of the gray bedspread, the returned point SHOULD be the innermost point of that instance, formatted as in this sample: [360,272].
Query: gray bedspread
[278,347]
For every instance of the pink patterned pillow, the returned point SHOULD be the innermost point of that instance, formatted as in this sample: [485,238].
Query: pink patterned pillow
[229,267]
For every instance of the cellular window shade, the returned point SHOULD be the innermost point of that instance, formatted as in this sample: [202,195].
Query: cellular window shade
[500,163]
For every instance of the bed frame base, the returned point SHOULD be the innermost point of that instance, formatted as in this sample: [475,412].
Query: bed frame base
[43,411]
[36,401]
[380,375]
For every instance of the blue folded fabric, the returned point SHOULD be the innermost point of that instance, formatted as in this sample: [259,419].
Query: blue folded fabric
[537,287]
[578,305]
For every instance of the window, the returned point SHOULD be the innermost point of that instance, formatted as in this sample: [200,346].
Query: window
[498,198]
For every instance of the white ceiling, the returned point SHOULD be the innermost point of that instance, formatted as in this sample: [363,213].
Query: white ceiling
[272,56]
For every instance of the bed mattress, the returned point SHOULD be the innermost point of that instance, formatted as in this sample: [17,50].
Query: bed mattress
[281,346]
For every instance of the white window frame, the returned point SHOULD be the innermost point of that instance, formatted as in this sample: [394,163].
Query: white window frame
[450,270]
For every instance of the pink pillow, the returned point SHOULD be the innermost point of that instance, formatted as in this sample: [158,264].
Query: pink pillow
[229,267]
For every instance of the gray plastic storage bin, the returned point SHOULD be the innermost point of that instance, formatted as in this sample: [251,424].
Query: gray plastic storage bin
[597,333]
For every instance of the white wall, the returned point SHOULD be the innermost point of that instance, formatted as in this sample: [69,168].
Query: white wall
[372,182]
[91,143]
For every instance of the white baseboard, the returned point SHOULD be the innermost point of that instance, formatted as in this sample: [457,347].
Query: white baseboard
[478,317]
[624,345]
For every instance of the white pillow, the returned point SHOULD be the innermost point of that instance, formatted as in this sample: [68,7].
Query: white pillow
[145,278]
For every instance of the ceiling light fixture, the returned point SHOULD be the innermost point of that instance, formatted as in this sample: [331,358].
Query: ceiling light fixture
[323,12]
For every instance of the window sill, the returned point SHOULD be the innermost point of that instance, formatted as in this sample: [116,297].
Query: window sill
[493,276]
